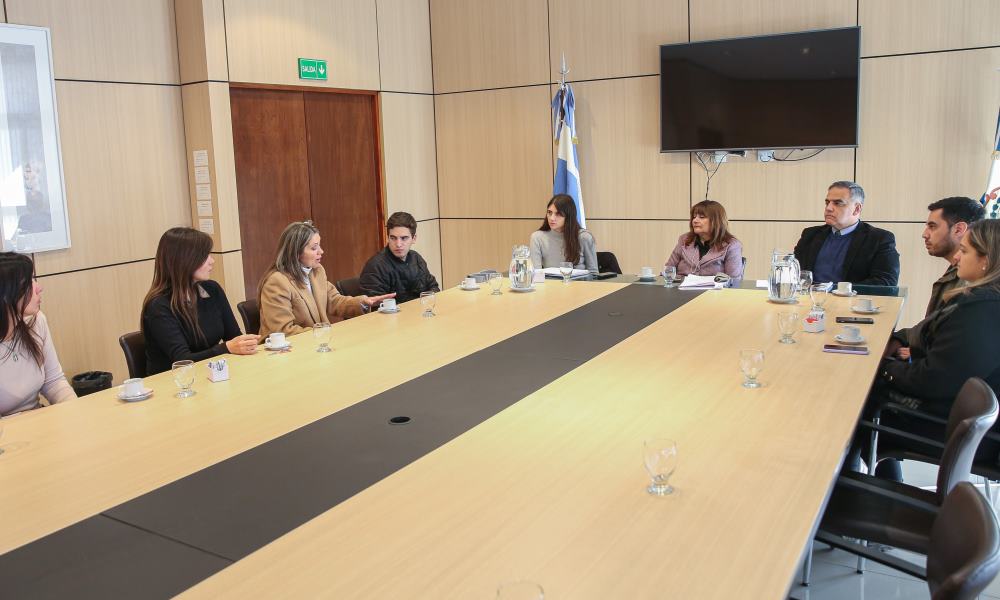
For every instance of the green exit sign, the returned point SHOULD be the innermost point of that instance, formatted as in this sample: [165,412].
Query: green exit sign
[312,68]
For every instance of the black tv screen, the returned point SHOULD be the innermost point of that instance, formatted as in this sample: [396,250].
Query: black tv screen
[792,90]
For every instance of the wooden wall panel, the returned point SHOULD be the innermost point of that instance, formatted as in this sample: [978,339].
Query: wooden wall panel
[715,19]
[637,244]
[404,37]
[483,44]
[760,238]
[428,244]
[898,26]
[622,171]
[494,153]
[123,161]
[613,39]
[201,40]
[927,125]
[472,245]
[228,272]
[267,37]
[774,190]
[106,40]
[409,155]
[88,310]
[208,126]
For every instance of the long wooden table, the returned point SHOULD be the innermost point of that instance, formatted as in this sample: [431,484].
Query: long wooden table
[550,489]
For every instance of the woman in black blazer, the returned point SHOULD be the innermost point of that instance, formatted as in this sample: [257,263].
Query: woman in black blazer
[185,315]
[958,341]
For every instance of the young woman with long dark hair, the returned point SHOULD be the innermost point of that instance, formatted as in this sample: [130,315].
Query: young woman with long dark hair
[185,315]
[28,362]
[561,239]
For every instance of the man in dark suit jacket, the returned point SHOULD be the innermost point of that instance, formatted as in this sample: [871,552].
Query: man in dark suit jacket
[846,249]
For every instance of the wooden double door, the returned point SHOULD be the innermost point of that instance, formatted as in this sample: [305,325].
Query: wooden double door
[306,155]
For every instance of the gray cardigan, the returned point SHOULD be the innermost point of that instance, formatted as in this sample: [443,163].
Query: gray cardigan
[548,250]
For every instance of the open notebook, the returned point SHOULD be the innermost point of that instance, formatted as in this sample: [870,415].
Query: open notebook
[553,273]
[700,282]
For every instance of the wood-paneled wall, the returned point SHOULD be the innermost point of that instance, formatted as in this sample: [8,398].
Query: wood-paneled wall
[140,85]
[928,109]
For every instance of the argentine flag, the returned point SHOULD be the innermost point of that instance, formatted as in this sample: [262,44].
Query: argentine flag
[990,200]
[567,179]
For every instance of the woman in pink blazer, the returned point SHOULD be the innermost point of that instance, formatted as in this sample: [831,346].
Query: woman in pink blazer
[709,248]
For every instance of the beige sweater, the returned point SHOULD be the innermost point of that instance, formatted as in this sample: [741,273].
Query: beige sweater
[22,379]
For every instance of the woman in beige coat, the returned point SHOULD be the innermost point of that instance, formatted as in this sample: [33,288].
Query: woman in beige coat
[295,294]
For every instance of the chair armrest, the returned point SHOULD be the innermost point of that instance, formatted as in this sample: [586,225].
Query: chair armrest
[990,435]
[906,435]
[868,488]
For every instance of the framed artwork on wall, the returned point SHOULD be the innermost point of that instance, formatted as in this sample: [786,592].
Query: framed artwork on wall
[33,216]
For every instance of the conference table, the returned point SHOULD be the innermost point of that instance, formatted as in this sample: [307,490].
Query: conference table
[500,440]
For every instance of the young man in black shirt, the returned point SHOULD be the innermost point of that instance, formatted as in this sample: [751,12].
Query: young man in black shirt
[397,268]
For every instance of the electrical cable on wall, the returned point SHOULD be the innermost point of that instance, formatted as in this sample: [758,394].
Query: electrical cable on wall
[710,173]
[790,152]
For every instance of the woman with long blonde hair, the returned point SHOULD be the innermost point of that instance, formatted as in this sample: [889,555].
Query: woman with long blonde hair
[294,293]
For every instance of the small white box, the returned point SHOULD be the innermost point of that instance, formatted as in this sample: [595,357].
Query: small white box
[218,370]
[814,322]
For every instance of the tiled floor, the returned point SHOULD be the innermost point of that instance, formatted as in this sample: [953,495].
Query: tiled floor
[834,576]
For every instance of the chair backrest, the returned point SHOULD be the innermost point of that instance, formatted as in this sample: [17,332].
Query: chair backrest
[964,553]
[973,413]
[350,287]
[250,313]
[134,346]
[608,263]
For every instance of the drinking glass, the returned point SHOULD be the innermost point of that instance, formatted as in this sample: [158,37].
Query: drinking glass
[805,280]
[819,292]
[321,332]
[751,364]
[669,274]
[427,300]
[788,324]
[520,590]
[183,371]
[496,281]
[660,458]
[566,269]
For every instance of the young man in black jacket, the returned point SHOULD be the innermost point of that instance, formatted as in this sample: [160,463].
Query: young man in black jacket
[845,248]
[398,268]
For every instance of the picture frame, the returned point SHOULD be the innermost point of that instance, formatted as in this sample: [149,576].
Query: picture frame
[33,212]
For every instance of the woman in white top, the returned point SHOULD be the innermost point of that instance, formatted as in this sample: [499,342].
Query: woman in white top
[561,239]
[28,361]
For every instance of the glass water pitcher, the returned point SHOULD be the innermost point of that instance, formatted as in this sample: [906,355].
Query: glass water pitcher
[783,282]
[521,270]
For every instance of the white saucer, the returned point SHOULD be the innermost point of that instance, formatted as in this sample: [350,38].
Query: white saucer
[874,311]
[286,346]
[836,293]
[468,289]
[789,301]
[522,290]
[649,279]
[388,311]
[854,342]
[146,394]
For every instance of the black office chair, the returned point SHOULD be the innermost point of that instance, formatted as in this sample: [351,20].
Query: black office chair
[608,263]
[350,287]
[134,346]
[250,313]
[964,555]
[876,510]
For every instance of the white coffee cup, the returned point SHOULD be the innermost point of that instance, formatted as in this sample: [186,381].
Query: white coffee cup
[645,272]
[388,304]
[276,340]
[133,387]
[844,288]
[469,282]
[850,333]
[864,304]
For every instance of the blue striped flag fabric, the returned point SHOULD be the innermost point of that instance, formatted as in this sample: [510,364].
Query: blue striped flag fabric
[567,179]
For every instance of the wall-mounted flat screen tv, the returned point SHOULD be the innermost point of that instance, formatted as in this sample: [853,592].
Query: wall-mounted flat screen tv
[792,90]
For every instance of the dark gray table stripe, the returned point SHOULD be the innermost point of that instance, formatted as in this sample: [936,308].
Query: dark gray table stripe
[237,506]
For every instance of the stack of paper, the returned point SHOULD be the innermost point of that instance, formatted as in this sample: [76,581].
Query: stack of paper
[700,282]
[553,273]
